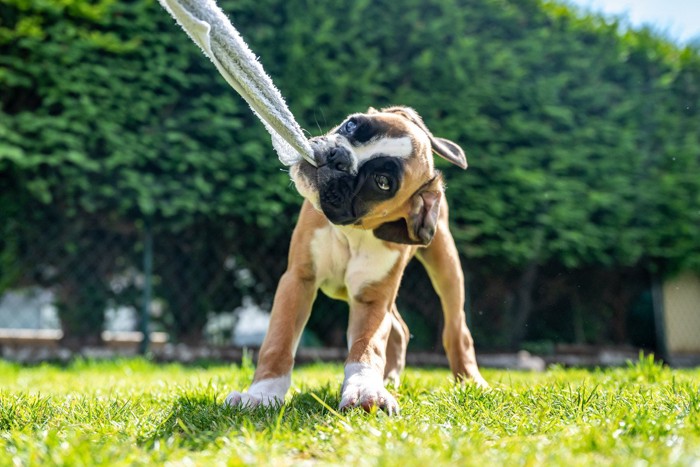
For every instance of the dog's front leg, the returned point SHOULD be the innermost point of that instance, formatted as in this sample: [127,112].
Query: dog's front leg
[368,332]
[290,311]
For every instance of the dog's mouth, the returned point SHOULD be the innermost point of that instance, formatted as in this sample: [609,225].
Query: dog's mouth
[338,196]
[345,197]
[326,192]
[332,192]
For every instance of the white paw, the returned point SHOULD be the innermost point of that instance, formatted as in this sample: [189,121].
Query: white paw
[363,387]
[252,400]
[479,381]
[473,376]
[267,392]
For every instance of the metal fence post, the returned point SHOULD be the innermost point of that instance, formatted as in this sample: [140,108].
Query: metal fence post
[657,294]
[147,284]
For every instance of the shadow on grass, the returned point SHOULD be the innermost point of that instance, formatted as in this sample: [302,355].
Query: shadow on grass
[196,421]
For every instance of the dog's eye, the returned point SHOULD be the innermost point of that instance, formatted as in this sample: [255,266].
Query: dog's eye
[382,182]
[350,126]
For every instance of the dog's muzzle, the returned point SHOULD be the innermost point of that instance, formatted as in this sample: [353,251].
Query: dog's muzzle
[337,158]
[336,184]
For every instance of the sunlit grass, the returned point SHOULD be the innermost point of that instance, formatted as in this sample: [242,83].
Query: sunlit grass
[134,412]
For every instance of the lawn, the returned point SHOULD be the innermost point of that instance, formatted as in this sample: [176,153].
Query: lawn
[134,412]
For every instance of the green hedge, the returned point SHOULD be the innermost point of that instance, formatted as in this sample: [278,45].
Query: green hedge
[581,137]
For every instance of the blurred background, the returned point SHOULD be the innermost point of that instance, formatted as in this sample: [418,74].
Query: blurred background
[139,192]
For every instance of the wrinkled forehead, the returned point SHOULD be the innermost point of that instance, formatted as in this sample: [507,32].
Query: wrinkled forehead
[386,134]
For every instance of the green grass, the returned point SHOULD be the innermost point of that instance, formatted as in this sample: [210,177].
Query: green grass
[133,412]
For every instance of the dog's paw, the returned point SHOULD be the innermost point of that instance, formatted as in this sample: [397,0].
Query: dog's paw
[479,381]
[472,376]
[267,392]
[363,387]
[368,397]
[251,400]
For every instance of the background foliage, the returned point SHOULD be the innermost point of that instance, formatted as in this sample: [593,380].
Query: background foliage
[581,136]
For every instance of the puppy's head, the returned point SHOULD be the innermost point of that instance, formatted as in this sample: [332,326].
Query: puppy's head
[375,171]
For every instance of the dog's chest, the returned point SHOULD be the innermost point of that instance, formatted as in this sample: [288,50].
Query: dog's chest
[346,260]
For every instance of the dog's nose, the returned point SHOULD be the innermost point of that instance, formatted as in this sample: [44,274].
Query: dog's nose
[339,159]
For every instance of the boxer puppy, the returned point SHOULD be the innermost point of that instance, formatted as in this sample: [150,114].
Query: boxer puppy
[373,202]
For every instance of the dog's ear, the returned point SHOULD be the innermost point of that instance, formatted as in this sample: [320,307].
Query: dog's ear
[372,110]
[444,148]
[418,228]
[449,150]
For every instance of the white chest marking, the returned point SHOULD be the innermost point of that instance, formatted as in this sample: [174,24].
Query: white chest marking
[349,258]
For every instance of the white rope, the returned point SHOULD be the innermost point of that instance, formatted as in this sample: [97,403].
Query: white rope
[212,31]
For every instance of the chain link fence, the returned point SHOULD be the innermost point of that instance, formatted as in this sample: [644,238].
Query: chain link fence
[212,282]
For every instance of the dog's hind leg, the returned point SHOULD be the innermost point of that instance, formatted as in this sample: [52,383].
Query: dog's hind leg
[441,260]
[396,348]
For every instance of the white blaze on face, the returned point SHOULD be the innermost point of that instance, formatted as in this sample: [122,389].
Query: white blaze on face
[394,147]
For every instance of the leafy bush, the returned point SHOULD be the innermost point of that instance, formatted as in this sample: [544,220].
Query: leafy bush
[582,139]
